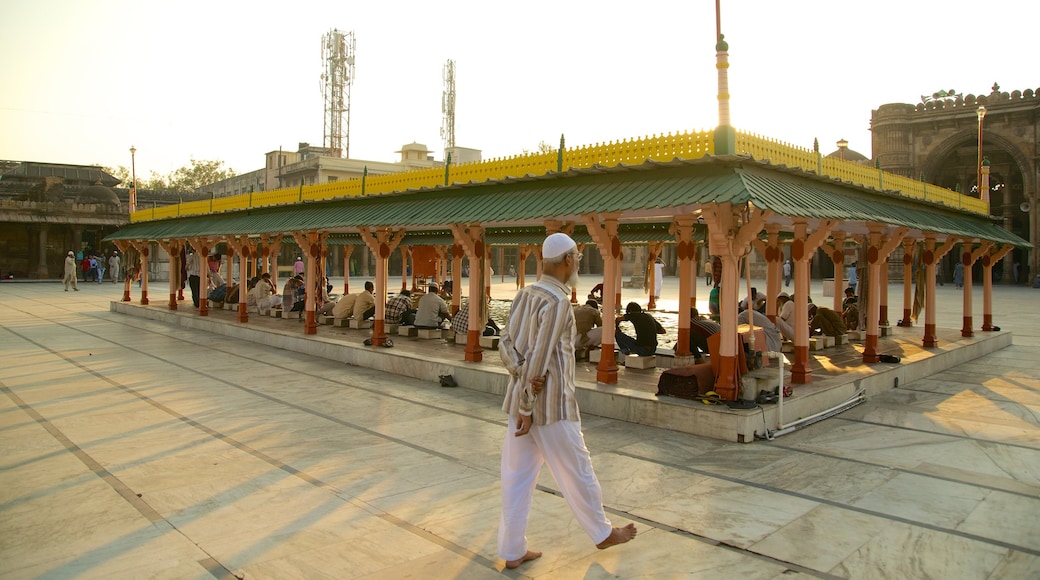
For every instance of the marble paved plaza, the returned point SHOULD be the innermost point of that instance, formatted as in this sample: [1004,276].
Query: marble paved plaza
[133,449]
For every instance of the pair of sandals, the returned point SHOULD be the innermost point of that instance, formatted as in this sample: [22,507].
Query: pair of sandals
[387,343]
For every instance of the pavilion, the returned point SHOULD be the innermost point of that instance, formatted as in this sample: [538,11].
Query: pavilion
[667,189]
[733,191]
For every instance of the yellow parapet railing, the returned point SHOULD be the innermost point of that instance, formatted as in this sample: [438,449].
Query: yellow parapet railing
[777,153]
[685,145]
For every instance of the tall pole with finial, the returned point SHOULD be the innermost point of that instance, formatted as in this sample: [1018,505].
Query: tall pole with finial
[725,134]
[133,180]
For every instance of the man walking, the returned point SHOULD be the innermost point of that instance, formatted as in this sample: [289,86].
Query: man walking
[537,348]
[113,266]
[70,271]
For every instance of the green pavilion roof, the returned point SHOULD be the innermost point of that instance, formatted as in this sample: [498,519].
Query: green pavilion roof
[648,195]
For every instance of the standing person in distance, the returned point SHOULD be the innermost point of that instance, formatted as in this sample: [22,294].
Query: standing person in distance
[71,266]
[537,348]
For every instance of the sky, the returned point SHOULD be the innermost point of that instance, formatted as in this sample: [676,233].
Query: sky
[84,80]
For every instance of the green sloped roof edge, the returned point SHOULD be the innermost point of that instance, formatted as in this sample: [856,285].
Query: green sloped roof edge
[651,189]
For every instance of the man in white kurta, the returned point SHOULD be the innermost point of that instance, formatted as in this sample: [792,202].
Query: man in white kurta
[537,347]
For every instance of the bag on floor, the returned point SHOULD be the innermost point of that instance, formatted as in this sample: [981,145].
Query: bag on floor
[686,382]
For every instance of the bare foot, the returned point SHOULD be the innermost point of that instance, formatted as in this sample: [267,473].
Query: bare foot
[530,555]
[618,536]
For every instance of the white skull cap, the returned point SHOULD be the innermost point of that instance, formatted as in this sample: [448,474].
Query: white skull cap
[557,245]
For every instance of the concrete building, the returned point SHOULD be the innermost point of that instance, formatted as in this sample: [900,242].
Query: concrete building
[937,141]
[47,209]
[310,165]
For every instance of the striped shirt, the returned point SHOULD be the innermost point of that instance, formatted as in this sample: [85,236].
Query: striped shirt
[539,341]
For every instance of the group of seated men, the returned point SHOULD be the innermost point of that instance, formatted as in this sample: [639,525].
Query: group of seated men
[588,323]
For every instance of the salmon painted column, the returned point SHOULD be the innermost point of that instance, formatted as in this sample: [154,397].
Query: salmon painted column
[521,270]
[260,261]
[230,254]
[968,258]
[653,251]
[908,268]
[471,239]
[276,248]
[932,255]
[348,251]
[694,273]
[123,246]
[686,252]
[241,247]
[439,270]
[878,249]
[381,242]
[172,249]
[457,252]
[574,291]
[487,276]
[883,294]
[770,250]
[538,261]
[310,245]
[730,233]
[803,247]
[603,228]
[145,251]
[987,284]
[406,252]
[837,254]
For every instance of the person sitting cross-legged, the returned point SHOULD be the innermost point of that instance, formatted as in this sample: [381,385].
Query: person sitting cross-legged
[365,307]
[647,329]
[700,329]
[399,309]
[432,310]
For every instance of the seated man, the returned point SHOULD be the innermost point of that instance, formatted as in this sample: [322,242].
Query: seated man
[700,329]
[785,315]
[294,295]
[713,302]
[773,338]
[324,302]
[460,323]
[850,309]
[647,329]
[399,309]
[264,295]
[825,321]
[597,293]
[589,323]
[432,310]
[756,300]
[344,307]
[365,306]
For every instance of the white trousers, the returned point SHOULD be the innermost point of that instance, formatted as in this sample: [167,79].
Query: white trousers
[562,446]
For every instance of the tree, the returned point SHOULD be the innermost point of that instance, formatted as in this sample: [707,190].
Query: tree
[199,173]
[185,179]
[543,147]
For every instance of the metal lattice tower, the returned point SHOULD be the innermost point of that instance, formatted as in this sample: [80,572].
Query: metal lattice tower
[448,107]
[337,57]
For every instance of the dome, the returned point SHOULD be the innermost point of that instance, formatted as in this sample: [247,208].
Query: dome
[850,155]
[98,194]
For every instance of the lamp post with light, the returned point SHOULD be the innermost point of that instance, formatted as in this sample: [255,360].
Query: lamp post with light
[981,112]
[133,180]
[842,146]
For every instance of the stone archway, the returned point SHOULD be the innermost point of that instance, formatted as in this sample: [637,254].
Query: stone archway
[952,164]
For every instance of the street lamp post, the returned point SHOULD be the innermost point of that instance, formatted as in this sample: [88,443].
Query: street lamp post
[981,112]
[133,180]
